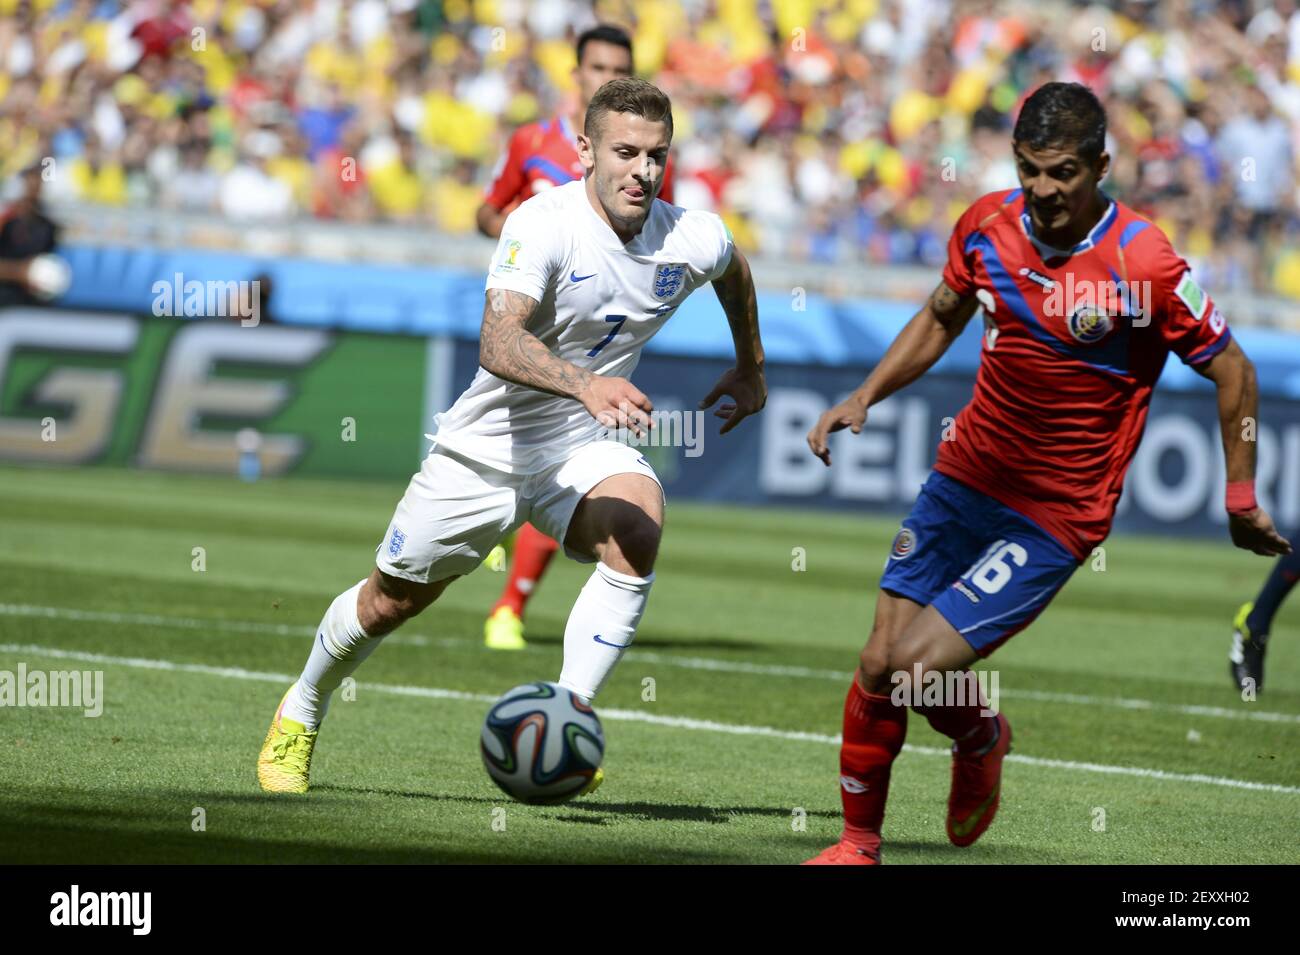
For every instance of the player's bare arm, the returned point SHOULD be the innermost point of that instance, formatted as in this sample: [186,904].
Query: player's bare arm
[1233,375]
[918,346]
[490,220]
[745,383]
[509,351]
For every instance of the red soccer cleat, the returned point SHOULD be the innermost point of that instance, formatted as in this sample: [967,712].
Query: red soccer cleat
[845,853]
[976,788]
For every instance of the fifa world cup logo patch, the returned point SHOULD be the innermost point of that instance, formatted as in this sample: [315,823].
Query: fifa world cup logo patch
[506,261]
[904,544]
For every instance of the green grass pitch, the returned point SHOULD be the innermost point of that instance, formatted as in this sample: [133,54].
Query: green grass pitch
[1130,744]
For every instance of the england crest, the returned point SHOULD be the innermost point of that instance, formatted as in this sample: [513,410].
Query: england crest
[669,279]
[396,543]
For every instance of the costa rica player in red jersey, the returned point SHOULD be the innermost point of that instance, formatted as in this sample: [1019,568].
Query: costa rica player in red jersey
[540,156]
[1027,485]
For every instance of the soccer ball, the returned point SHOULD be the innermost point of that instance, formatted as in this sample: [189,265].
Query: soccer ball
[541,743]
[48,277]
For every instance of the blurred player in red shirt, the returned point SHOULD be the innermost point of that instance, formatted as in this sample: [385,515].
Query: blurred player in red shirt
[540,156]
[1083,301]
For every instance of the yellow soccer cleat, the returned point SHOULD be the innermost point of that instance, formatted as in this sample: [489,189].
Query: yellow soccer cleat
[496,559]
[285,760]
[597,778]
[1246,655]
[504,631]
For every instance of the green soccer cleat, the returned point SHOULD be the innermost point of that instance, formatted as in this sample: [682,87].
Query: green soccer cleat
[504,630]
[1246,658]
[285,760]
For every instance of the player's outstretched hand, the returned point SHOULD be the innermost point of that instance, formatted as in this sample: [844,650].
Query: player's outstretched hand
[1254,531]
[847,414]
[747,388]
[617,403]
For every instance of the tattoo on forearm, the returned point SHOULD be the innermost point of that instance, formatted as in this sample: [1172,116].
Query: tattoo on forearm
[511,352]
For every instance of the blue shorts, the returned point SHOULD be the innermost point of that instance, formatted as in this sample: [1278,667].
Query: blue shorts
[986,568]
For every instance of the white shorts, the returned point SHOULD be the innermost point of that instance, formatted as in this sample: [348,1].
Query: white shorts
[456,510]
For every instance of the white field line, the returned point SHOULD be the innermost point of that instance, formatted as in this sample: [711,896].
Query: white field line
[1247,712]
[632,716]
[1041,696]
[206,624]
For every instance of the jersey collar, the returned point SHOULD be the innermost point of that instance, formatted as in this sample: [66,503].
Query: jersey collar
[1095,235]
[604,233]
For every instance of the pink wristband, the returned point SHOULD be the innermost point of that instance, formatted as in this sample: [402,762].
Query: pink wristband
[1241,497]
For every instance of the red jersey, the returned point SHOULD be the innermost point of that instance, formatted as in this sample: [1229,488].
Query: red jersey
[1074,343]
[542,155]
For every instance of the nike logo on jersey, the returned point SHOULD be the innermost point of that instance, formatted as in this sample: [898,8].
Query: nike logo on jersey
[616,646]
[575,277]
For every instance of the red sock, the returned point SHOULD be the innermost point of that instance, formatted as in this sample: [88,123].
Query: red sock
[533,551]
[963,724]
[873,736]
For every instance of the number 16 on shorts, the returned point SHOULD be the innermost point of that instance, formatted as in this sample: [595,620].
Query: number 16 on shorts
[1004,590]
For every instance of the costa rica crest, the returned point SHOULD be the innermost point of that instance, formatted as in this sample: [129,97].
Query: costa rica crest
[904,544]
[1089,324]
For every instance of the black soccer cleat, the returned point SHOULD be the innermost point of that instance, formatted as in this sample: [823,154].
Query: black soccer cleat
[1246,658]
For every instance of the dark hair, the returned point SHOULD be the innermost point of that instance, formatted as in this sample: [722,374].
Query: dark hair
[628,94]
[1063,114]
[604,33]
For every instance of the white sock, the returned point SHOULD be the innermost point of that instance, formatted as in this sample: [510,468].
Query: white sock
[609,607]
[339,648]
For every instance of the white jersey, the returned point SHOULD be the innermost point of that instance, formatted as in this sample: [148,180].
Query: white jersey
[600,302]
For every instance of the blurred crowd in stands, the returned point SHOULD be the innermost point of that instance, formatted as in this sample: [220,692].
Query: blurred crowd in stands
[833,131]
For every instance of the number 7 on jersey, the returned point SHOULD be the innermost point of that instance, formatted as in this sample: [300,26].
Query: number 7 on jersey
[618,321]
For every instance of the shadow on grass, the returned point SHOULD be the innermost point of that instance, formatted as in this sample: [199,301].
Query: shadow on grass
[53,826]
[591,810]
[97,845]
[42,834]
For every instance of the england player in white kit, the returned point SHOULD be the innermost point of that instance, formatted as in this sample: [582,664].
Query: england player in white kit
[583,276]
